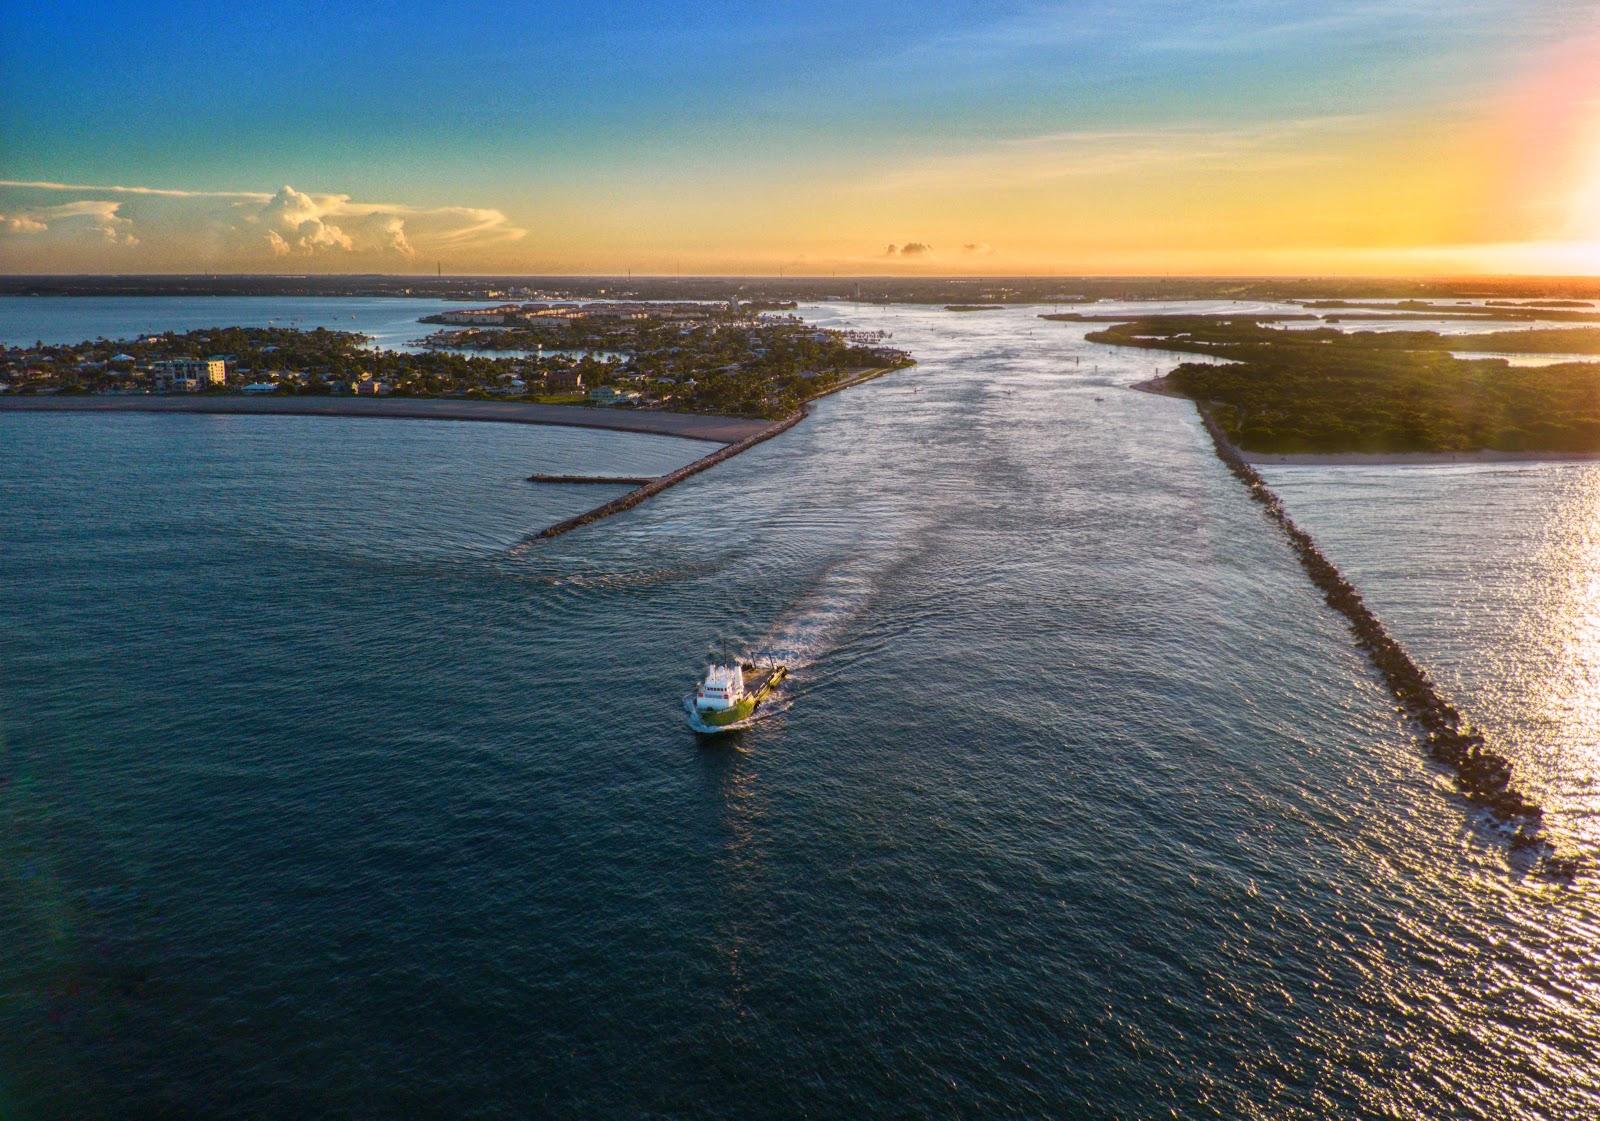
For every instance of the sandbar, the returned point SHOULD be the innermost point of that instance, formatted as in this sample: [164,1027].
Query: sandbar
[691,426]
[1402,459]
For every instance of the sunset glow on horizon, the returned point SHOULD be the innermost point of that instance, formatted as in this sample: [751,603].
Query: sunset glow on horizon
[1081,138]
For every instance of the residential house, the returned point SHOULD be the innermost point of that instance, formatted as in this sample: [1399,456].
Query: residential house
[611,395]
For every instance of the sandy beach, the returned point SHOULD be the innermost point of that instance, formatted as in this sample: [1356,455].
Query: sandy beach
[1159,386]
[1415,459]
[720,429]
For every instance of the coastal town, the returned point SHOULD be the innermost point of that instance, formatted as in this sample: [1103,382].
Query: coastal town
[724,358]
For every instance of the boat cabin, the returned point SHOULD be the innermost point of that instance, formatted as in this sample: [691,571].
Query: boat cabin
[721,689]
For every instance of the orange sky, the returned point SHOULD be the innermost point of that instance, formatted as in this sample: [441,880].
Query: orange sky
[1344,137]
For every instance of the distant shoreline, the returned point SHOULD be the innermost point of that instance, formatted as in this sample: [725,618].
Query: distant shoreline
[689,426]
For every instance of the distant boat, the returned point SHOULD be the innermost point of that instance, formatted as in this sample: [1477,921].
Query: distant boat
[727,698]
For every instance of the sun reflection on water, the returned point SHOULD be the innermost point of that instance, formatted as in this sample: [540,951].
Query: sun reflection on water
[1567,626]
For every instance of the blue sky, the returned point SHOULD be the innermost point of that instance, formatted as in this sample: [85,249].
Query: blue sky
[636,109]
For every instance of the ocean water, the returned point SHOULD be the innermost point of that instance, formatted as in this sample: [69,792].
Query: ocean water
[324,790]
[392,322]
[1490,574]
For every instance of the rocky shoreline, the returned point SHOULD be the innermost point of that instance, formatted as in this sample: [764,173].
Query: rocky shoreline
[1482,776]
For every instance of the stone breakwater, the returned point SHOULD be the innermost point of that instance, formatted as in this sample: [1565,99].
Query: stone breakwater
[656,486]
[1482,776]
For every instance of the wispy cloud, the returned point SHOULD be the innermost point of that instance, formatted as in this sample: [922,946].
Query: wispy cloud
[161,192]
[1084,153]
[1157,27]
[1241,26]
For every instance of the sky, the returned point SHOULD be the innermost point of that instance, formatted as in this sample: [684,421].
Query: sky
[1087,137]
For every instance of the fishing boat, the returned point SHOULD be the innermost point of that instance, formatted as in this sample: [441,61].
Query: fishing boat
[730,694]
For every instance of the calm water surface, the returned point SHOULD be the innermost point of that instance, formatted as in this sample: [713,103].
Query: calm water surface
[327,793]
[1527,360]
[392,322]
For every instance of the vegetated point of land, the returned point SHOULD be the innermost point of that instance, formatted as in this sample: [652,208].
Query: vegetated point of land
[1323,391]
[729,359]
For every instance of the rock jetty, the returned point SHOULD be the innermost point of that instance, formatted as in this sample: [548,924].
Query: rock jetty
[1482,776]
[657,485]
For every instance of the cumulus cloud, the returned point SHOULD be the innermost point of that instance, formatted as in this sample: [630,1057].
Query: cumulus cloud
[230,229]
[915,249]
[21,224]
[293,222]
[977,249]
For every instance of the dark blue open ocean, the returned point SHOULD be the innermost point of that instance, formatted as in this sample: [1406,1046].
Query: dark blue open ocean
[325,793]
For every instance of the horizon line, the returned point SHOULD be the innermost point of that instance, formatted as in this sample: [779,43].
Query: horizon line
[626,276]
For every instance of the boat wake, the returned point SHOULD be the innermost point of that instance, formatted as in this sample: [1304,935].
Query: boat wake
[808,631]
[818,621]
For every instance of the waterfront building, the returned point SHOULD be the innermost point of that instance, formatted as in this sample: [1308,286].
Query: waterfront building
[188,374]
[505,313]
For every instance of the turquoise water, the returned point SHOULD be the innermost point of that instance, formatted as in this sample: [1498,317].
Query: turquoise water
[326,792]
